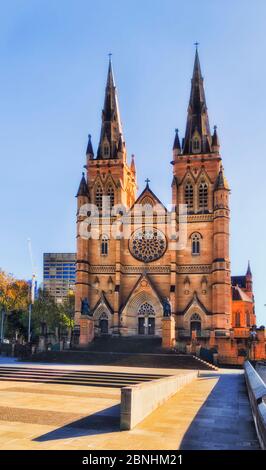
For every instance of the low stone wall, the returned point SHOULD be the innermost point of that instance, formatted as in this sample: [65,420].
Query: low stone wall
[257,396]
[138,401]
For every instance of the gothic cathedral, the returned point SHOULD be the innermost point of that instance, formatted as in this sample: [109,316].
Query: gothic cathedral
[124,284]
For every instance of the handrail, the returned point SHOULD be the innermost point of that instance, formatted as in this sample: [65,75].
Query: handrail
[257,394]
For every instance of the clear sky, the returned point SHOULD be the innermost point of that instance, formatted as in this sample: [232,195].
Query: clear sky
[53,69]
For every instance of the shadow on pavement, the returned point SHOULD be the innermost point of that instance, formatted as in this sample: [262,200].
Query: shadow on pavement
[104,421]
[224,421]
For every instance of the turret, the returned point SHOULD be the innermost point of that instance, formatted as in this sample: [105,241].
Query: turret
[215,141]
[83,193]
[89,152]
[132,165]
[249,283]
[176,146]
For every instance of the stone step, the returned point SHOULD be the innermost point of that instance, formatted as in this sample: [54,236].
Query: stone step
[77,373]
[169,361]
[66,377]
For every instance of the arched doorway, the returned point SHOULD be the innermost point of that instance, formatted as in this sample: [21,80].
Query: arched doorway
[103,324]
[146,319]
[195,323]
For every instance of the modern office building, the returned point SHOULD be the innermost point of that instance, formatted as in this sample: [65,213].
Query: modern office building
[59,274]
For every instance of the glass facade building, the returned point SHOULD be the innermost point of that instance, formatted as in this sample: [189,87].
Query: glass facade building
[59,273]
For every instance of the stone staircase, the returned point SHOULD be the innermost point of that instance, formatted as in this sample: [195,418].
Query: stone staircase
[127,352]
[147,360]
[73,377]
[130,344]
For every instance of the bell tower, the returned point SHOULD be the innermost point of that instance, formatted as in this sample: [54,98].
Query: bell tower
[107,174]
[203,267]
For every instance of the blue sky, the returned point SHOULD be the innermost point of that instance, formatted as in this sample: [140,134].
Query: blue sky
[52,76]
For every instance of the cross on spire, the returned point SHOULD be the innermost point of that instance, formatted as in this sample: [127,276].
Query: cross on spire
[147,181]
[196,44]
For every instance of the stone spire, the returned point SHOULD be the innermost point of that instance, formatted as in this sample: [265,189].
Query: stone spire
[221,181]
[111,132]
[132,164]
[83,187]
[89,151]
[198,136]
[176,146]
[249,273]
[249,283]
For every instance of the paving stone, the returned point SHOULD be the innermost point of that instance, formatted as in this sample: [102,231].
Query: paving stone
[211,413]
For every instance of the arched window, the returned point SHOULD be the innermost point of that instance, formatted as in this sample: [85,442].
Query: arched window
[111,194]
[189,195]
[237,319]
[203,196]
[99,197]
[196,145]
[104,245]
[248,319]
[195,244]
[106,151]
[195,322]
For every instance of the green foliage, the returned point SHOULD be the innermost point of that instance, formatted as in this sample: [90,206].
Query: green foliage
[67,311]
[14,293]
[45,311]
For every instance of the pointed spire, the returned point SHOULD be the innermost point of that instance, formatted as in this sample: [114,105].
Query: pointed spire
[90,148]
[176,145]
[111,131]
[83,187]
[132,164]
[215,140]
[197,120]
[249,273]
[221,181]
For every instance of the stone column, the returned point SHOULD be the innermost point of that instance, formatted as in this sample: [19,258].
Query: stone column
[168,332]
[116,325]
[86,330]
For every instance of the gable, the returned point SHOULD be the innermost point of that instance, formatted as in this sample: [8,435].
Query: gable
[147,197]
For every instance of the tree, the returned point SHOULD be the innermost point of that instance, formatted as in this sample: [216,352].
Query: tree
[67,312]
[45,311]
[14,293]
[14,297]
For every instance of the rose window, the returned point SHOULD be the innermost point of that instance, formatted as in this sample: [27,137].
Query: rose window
[147,244]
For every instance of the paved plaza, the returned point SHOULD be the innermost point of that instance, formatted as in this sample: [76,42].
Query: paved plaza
[213,412]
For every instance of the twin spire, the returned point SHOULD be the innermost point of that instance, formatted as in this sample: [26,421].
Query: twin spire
[111,143]
[111,138]
[198,138]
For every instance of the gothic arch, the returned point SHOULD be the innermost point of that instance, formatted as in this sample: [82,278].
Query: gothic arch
[134,306]
[193,311]
[143,293]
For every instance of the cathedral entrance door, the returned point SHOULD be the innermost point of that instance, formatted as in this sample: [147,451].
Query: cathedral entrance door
[103,323]
[141,330]
[151,326]
[195,323]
